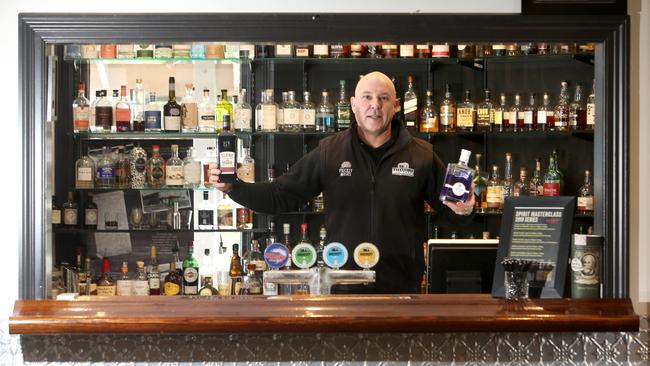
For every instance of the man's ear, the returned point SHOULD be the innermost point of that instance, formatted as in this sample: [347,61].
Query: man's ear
[352,101]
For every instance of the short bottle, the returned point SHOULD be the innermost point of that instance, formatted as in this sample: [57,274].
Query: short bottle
[255,257]
[191,169]
[173,281]
[172,112]
[155,168]
[90,214]
[140,282]
[290,113]
[103,113]
[85,173]
[586,196]
[246,167]
[105,177]
[70,211]
[81,111]
[208,289]
[448,112]
[252,281]
[458,180]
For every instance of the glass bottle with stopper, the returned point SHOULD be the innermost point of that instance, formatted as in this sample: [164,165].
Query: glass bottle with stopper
[458,180]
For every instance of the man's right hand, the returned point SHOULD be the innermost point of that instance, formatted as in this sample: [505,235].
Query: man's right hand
[223,187]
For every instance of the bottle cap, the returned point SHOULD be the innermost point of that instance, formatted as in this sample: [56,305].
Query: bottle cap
[276,255]
[464,155]
[335,255]
[366,255]
[303,255]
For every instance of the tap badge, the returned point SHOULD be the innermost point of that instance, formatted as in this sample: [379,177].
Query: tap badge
[346,169]
[276,255]
[335,255]
[303,255]
[366,255]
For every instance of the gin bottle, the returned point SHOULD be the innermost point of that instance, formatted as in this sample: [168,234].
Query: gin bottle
[265,113]
[152,115]
[325,121]
[206,112]
[137,167]
[246,167]
[458,180]
[84,172]
[174,170]
[522,185]
[189,110]
[123,112]
[105,170]
[121,169]
[308,114]
[243,114]
[291,113]
[81,111]
[191,169]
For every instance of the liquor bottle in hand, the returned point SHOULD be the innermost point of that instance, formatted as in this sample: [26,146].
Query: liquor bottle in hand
[458,180]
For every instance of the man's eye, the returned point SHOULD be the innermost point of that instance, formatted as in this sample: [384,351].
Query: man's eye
[367,97]
[384,98]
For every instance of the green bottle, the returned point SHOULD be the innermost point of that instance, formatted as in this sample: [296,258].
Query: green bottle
[190,272]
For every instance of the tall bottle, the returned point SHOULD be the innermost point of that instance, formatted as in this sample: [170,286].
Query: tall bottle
[494,192]
[243,114]
[124,284]
[591,107]
[480,186]
[448,112]
[224,112]
[206,113]
[561,110]
[172,111]
[152,115]
[516,115]
[265,113]
[290,113]
[308,113]
[536,185]
[155,168]
[191,169]
[501,115]
[190,272]
[105,170]
[123,112]
[154,273]
[429,121]
[466,112]
[325,121]
[545,114]
[485,113]
[227,157]
[189,110]
[508,181]
[121,169]
[174,170]
[521,186]
[106,285]
[530,114]
[103,114]
[410,107]
[288,242]
[586,196]
[81,110]
[322,235]
[137,108]
[552,178]
[235,272]
[343,110]
[577,111]
[458,180]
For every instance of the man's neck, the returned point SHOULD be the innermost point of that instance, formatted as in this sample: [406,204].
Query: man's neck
[372,140]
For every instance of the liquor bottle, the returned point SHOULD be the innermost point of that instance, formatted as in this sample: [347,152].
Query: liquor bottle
[422,51]
[124,283]
[189,110]
[207,266]
[223,112]
[561,110]
[325,121]
[208,289]
[91,284]
[521,186]
[246,167]
[272,238]
[210,165]
[552,178]
[289,120]
[480,186]
[138,106]
[235,271]
[244,218]
[516,115]
[303,256]
[81,111]
[90,214]
[105,284]
[56,214]
[508,181]
[140,281]
[206,213]
[536,184]
[308,114]
[173,281]
[70,212]
[225,217]
[591,107]
[343,109]
[288,242]
[303,50]
[577,111]
[174,170]
[265,113]
[190,272]
[206,113]
[243,114]
[319,203]
[84,172]
[339,50]
[322,235]
[545,114]
[494,192]
[530,114]
[321,50]
[254,256]
[227,157]
[123,112]
[105,170]
[485,113]
[155,168]
[466,112]
[586,196]
[501,115]
[252,282]
[121,169]
[171,110]
[103,114]
[279,113]
[93,111]
[499,49]
[175,217]
[410,106]
[448,112]
[191,169]
[458,180]
[429,121]
[154,273]
[152,115]
[114,100]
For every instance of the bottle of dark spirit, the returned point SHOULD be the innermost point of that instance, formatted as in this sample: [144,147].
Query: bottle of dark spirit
[173,281]
[466,111]
[252,283]
[536,185]
[522,185]
[123,112]
[235,271]
[586,196]
[172,110]
[90,214]
[208,289]
[190,272]
[495,192]
[552,178]
[591,107]
[154,274]
[121,169]
[485,113]
[343,112]
[106,285]
[429,121]
[530,114]
[480,186]
[448,112]
[577,111]
[70,213]
[410,107]
[56,213]
[227,157]
[458,180]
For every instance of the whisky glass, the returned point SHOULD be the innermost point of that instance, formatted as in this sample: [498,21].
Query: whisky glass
[223,283]
[110,220]
[136,217]
[153,220]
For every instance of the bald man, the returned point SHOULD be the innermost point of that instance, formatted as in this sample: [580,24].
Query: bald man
[374,178]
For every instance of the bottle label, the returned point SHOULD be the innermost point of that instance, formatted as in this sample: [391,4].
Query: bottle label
[512,118]
[302,51]
[308,117]
[268,117]
[586,203]
[154,283]
[410,106]
[283,50]
[260,265]
[190,275]
[591,114]
[81,117]
[243,119]
[105,290]
[366,255]
[335,255]
[140,288]
[123,115]
[459,189]
[124,287]
[494,196]
[291,116]
[105,172]
[173,123]
[157,173]
[446,116]
[189,114]
[227,162]
[483,115]
[56,217]
[541,117]
[70,216]
[206,118]
[246,172]
[85,174]
[321,50]
[91,216]
[174,175]
[303,255]
[465,117]
[152,120]
[270,288]
[225,217]
[528,117]
[498,118]
[172,289]
[206,217]
[551,188]
[140,164]
[406,50]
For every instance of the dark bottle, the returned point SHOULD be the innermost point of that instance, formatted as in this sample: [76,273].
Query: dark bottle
[90,214]
[70,216]
[154,274]
[235,271]
[56,213]
[577,111]
[172,110]
[227,157]
[173,282]
[190,272]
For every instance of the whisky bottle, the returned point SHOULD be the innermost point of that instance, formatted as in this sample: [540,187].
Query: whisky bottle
[429,121]
[410,106]
[308,113]
[448,112]
[235,272]
[206,113]
[84,172]
[508,181]
[591,107]
[458,180]
[227,157]
[536,186]
[190,272]
[225,216]
[105,285]
[206,213]
[90,214]
[173,281]
[124,283]
[343,111]
[152,115]
[516,115]
[530,114]
[70,213]
[561,110]
[154,273]
[140,281]
[254,256]
[494,192]
[121,169]
[155,168]
[171,110]
[123,112]
[191,169]
[189,110]
[103,114]
[545,114]
[243,114]
[485,113]
[501,115]
[223,112]
[521,185]
[252,282]
[586,196]
[246,167]
[81,111]
[56,214]
[577,111]
[174,170]
[552,178]
[480,186]
[466,111]
[208,289]
[290,113]
[325,121]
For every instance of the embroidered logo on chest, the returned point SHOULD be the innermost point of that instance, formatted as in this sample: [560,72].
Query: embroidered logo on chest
[346,169]
[402,169]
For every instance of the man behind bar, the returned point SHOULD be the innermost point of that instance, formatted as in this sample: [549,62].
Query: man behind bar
[374,177]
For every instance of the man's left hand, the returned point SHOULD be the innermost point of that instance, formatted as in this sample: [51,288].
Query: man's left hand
[463,208]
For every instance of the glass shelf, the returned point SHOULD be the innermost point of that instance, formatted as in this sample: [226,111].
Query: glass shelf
[74,230]
[163,135]
[155,61]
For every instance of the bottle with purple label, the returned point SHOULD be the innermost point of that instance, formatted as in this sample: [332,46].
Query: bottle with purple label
[458,180]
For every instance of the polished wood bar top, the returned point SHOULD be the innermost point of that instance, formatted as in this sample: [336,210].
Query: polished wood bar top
[332,313]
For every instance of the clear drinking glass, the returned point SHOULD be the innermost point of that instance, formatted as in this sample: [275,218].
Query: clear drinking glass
[110,220]
[516,284]
[136,217]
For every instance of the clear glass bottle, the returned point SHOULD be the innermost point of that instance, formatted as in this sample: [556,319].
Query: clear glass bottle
[84,172]
[70,211]
[448,111]
[190,272]
[458,180]
[81,111]
[308,113]
[121,169]
[172,112]
[138,106]
[536,184]
[105,177]
[410,106]
[123,112]
[521,186]
[480,186]
[508,181]
[174,170]
[494,192]
[561,110]
[137,167]
[516,115]
[466,113]
[530,114]
[124,283]
[140,280]
[501,115]
[191,169]
[585,204]
[223,113]
[152,115]
[93,111]
[254,256]
[246,166]
[485,113]
[325,121]
[189,110]
[243,114]
[291,113]
[577,111]
[429,121]
[155,168]
[591,107]
[545,114]
[267,113]
[279,113]
[104,114]
[206,113]
[225,214]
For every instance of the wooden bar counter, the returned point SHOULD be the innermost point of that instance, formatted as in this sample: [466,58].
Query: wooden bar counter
[332,313]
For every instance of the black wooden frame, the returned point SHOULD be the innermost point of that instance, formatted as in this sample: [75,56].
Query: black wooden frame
[611,141]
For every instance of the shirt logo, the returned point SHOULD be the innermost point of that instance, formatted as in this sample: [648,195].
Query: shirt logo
[346,169]
[403,170]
